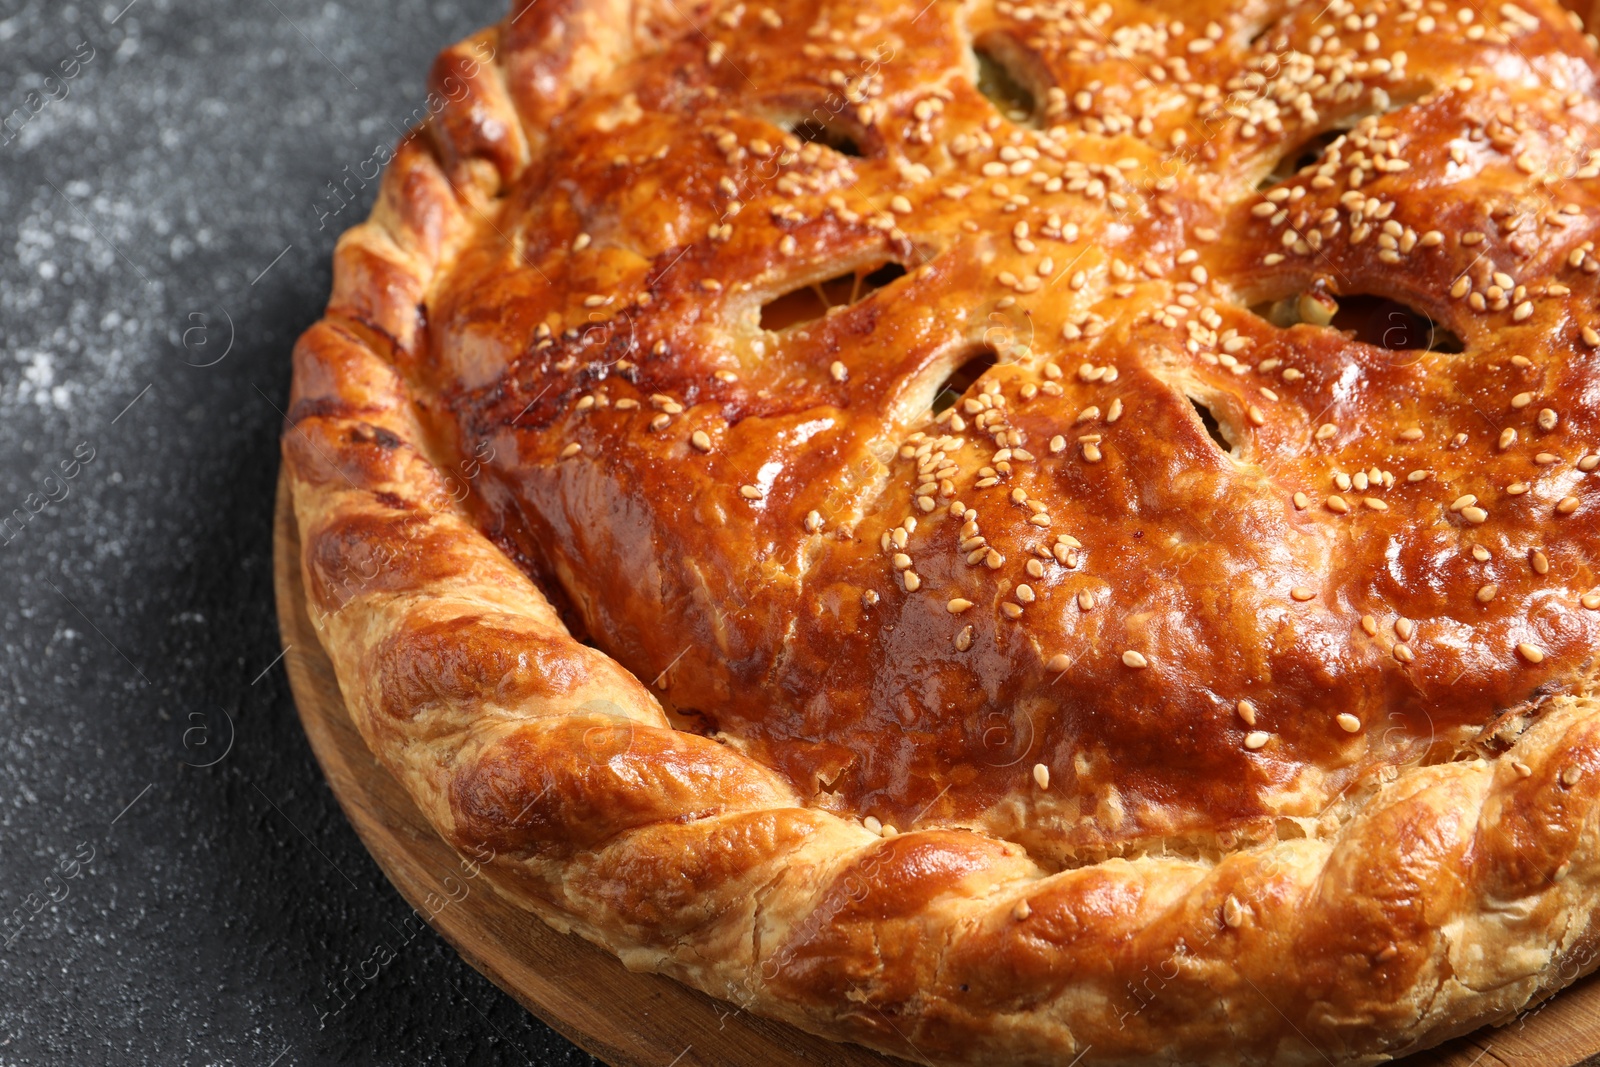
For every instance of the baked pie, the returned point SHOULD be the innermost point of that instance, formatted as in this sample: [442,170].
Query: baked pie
[997,531]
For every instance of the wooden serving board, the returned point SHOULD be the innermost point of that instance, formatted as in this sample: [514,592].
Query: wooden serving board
[645,1020]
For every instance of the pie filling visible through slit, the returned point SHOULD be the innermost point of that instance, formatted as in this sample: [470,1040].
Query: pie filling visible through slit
[1121,430]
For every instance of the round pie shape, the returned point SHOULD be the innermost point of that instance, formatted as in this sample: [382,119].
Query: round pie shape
[998,532]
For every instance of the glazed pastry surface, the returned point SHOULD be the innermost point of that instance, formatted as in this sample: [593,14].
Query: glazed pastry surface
[915,519]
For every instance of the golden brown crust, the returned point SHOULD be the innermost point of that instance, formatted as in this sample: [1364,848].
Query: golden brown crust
[1045,724]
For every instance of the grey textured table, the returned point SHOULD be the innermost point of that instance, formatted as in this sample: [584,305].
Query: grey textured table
[177,885]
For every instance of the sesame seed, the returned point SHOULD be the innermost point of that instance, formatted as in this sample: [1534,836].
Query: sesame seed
[1337,503]
[750,492]
[1403,653]
[1463,502]
[661,422]
[1255,739]
[912,580]
[1134,659]
[1085,600]
[1370,625]
[1375,504]
[1301,501]
[1590,601]
[1475,515]
[1348,722]
[1021,911]
[958,605]
[1247,712]
[1302,593]
[1540,562]
[1508,437]
[702,440]
[1521,400]
[964,639]
[571,450]
[1523,311]
[1531,653]
[1058,663]
[1404,628]
[813,521]
[1041,776]
[1487,592]
[1567,506]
